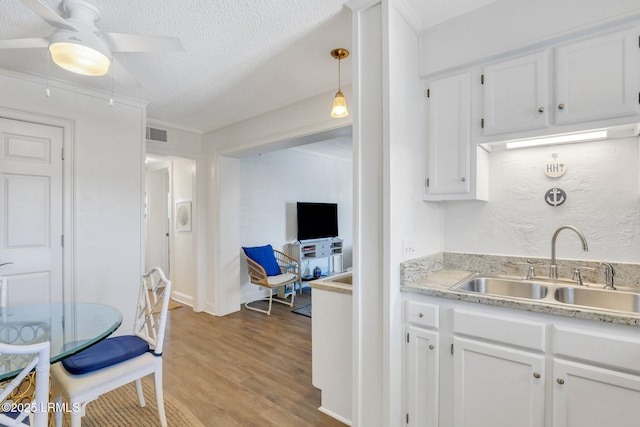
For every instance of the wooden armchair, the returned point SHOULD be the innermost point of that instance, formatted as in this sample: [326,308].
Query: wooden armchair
[272,269]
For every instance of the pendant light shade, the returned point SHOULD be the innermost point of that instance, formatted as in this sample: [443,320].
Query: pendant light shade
[339,104]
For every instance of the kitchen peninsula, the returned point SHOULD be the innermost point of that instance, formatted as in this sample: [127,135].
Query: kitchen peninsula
[331,335]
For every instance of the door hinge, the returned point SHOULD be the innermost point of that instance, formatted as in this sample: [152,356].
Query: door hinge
[62,154]
[451,348]
[62,240]
[407,337]
[427,182]
[482,123]
[481,79]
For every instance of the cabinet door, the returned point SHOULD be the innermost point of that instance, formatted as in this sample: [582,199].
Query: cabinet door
[516,94]
[448,163]
[588,396]
[597,78]
[422,377]
[496,386]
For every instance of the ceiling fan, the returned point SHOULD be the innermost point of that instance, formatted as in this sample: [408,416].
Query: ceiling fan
[78,46]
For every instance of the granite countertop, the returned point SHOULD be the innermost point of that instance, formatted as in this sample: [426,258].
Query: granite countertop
[435,281]
[337,283]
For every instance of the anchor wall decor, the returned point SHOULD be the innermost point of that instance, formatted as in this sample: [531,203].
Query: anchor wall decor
[555,197]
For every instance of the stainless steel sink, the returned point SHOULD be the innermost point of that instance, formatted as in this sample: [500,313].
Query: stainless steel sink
[505,287]
[555,292]
[599,298]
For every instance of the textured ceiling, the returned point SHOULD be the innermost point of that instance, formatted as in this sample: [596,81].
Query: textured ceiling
[242,58]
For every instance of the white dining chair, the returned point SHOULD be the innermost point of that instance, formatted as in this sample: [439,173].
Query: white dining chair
[115,362]
[30,404]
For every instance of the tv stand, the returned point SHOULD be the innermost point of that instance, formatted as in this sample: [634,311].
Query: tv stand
[329,248]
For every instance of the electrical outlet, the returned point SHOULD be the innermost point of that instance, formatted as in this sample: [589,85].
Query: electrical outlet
[408,250]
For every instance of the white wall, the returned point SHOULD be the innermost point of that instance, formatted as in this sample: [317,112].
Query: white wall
[104,160]
[603,200]
[270,186]
[180,142]
[183,247]
[511,24]
[412,222]
[370,190]
[189,256]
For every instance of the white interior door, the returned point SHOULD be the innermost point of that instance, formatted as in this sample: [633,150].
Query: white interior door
[31,207]
[158,219]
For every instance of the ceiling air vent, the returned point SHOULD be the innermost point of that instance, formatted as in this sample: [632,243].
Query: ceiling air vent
[157,135]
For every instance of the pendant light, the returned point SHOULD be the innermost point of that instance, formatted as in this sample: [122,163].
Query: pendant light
[339,104]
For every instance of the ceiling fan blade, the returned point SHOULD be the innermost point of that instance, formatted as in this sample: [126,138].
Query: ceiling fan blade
[122,76]
[24,43]
[120,42]
[48,14]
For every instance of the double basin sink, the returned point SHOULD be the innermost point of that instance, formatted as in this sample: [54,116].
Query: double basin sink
[553,292]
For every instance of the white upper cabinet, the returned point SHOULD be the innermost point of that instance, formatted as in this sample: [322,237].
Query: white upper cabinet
[598,78]
[572,87]
[516,94]
[456,168]
[449,118]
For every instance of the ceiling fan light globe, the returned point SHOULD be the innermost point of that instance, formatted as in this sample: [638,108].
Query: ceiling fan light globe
[79,59]
[339,106]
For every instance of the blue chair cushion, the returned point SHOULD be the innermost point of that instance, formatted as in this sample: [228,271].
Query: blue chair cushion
[14,414]
[106,353]
[264,256]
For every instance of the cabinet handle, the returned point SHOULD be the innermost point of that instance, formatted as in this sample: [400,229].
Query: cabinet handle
[536,375]
[561,106]
[463,179]
[541,110]
[431,346]
[420,315]
[560,381]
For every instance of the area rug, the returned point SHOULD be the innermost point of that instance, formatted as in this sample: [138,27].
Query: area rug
[304,310]
[120,408]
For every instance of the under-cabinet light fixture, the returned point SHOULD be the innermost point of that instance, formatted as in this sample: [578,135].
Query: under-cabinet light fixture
[559,139]
[339,104]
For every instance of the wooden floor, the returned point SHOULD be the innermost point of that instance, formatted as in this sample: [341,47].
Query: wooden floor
[244,369]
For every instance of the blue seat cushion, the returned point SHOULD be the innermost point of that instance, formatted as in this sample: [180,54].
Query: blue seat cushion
[264,256]
[13,414]
[106,353]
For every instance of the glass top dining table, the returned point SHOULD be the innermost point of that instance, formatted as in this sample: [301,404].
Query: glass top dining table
[70,327]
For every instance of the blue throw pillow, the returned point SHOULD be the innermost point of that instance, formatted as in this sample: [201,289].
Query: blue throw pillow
[106,353]
[264,256]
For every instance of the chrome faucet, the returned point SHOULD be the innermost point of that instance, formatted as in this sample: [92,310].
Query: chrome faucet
[608,276]
[553,268]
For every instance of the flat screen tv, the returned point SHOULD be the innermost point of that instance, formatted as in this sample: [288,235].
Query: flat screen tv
[317,220]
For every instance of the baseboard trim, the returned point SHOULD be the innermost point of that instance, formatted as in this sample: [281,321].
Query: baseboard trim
[335,416]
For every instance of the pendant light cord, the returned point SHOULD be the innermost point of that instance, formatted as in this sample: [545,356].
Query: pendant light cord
[339,89]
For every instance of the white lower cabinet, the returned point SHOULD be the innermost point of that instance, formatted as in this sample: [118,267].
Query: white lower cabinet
[496,386]
[471,365]
[422,374]
[590,396]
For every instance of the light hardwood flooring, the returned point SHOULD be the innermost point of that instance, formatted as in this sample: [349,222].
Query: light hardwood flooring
[244,369]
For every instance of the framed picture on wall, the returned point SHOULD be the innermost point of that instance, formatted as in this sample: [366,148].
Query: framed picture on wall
[183,216]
